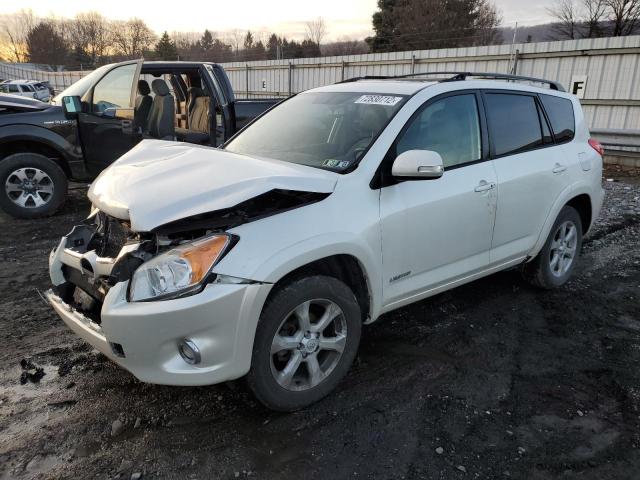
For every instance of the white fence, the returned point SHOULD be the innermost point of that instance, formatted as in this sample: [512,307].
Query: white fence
[58,80]
[609,68]
[610,94]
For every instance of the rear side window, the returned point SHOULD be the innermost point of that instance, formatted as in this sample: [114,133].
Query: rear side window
[560,113]
[514,123]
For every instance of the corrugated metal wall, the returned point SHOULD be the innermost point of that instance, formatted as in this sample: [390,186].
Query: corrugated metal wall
[611,100]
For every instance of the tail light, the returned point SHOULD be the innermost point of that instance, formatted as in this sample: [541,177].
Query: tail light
[597,146]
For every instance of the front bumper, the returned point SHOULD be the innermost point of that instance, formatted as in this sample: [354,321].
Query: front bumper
[143,337]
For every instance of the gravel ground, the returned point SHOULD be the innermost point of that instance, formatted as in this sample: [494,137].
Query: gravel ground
[491,380]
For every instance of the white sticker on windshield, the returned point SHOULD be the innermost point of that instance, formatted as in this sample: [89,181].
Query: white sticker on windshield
[379,100]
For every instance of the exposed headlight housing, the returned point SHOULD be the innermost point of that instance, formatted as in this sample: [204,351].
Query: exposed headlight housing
[180,271]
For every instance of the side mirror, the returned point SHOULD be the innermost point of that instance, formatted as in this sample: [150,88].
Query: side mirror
[418,165]
[71,106]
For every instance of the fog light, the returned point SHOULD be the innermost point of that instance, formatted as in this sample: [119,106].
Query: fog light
[189,351]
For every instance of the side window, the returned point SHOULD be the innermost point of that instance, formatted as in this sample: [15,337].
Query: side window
[514,124]
[114,90]
[560,112]
[26,88]
[450,127]
[13,88]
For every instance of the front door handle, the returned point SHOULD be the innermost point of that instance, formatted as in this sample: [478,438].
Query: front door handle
[483,186]
[559,168]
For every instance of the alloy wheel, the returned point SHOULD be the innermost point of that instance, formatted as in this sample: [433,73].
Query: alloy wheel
[308,344]
[563,248]
[29,187]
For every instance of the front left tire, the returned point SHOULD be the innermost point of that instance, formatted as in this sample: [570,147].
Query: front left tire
[31,185]
[306,340]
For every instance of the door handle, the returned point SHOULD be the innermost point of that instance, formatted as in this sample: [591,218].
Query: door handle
[127,126]
[483,186]
[559,168]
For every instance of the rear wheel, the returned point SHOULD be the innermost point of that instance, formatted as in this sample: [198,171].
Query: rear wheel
[31,185]
[306,340]
[556,261]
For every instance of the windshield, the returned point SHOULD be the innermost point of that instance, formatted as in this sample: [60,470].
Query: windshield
[79,88]
[329,130]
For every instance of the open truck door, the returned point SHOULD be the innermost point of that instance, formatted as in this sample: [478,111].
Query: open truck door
[106,120]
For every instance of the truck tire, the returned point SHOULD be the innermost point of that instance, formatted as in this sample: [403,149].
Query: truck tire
[306,340]
[31,185]
[556,261]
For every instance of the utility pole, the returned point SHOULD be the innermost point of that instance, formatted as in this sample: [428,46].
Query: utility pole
[513,41]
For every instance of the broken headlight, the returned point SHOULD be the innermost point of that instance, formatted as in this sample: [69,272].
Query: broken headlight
[178,272]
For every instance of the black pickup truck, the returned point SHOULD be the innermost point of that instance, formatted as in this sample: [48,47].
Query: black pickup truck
[102,116]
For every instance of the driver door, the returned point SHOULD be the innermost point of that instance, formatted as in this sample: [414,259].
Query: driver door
[438,231]
[106,123]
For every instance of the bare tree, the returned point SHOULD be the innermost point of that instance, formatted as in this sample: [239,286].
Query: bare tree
[345,46]
[566,15]
[594,14]
[316,30]
[15,29]
[235,38]
[488,18]
[132,38]
[624,15]
[93,33]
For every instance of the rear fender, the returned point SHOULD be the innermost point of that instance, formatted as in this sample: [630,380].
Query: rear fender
[565,196]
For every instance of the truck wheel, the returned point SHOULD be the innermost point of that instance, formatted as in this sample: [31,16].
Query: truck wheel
[556,261]
[32,185]
[306,340]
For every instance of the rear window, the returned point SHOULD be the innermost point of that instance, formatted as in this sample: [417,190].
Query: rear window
[513,122]
[560,112]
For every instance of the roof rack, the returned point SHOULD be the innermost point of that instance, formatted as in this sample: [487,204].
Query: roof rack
[459,76]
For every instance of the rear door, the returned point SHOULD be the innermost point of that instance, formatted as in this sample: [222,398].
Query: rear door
[529,167]
[437,231]
[106,127]
[28,91]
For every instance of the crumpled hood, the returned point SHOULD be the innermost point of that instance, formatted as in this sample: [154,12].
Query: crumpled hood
[158,182]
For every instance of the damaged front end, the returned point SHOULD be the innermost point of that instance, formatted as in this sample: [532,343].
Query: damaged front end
[171,261]
[93,257]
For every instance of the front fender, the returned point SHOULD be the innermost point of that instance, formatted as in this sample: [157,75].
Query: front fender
[289,257]
[62,137]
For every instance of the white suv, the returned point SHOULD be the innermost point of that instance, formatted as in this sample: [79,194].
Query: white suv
[264,258]
[26,88]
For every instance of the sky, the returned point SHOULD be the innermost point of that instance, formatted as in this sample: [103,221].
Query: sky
[344,18]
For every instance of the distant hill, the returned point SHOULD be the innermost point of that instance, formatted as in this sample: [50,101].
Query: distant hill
[545,32]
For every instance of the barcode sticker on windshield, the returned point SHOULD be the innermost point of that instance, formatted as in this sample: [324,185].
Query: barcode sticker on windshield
[379,100]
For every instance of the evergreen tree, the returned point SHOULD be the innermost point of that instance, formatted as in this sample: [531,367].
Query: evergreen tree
[206,42]
[45,45]
[426,24]
[166,48]
[248,41]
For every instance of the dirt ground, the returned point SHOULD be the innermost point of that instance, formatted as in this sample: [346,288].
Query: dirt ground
[491,380]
